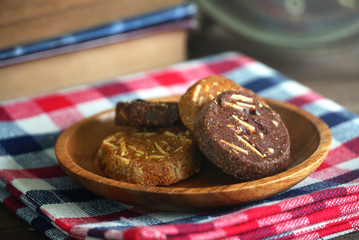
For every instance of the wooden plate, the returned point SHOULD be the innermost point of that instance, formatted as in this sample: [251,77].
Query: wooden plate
[77,146]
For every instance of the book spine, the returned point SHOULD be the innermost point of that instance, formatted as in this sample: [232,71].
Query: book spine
[126,25]
[113,39]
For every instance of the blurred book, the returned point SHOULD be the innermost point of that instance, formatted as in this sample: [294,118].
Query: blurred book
[125,46]
[175,13]
[24,21]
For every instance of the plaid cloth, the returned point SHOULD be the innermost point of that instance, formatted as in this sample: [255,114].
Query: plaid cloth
[34,186]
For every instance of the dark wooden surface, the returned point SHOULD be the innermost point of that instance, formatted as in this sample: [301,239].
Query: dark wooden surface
[13,227]
[333,73]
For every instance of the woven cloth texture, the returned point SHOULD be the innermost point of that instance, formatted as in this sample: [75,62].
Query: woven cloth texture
[33,185]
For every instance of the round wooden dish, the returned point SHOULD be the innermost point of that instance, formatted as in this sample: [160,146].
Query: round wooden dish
[77,146]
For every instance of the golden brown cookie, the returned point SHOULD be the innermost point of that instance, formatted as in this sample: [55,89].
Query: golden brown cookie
[160,156]
[199,94]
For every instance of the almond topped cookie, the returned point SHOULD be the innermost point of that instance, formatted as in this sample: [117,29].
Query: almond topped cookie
[243,136]
[160,156]
[199,94]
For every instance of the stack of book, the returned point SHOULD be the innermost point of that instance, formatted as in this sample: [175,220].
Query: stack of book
[47,45]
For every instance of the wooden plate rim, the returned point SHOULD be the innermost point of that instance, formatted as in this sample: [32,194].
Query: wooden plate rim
[314,160]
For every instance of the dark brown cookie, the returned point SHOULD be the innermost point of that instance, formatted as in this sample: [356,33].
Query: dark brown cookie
[145,113]
[160,156]
[199,94]
[243,136]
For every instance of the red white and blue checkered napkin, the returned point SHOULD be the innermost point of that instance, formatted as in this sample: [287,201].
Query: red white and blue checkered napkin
[34,186]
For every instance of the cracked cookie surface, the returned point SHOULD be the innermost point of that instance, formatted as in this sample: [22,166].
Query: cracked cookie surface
[243,136]
[152,157]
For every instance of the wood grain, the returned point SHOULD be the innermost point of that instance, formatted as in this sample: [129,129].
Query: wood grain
[91,65]
[211,188]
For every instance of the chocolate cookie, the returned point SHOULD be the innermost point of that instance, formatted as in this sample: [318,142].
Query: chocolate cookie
[145,113]
[243,136]
[160,156]
[199,94]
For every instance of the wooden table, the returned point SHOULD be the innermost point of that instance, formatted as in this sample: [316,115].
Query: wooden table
[333,74]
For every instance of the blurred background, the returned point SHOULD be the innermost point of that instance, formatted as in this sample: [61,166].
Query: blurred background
[313,42]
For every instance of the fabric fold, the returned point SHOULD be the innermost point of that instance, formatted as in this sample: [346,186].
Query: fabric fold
[34,186]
